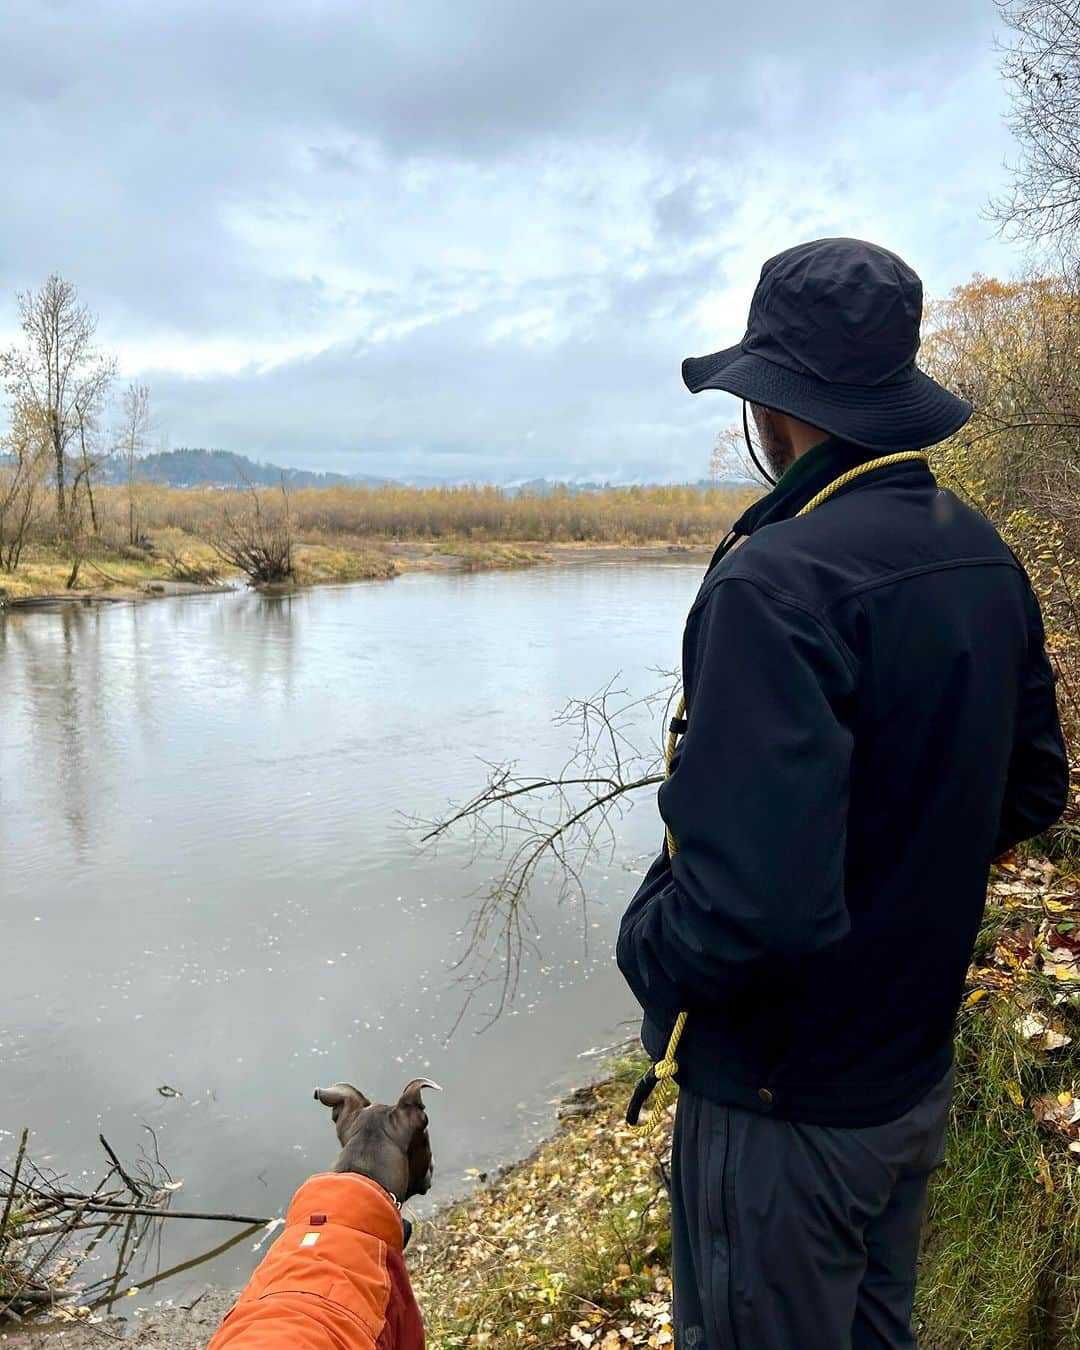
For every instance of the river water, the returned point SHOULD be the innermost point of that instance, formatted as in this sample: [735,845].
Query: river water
[209,884]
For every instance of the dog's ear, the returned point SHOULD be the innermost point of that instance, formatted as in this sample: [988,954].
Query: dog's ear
[344,1101]
[410,1127]
[411,1097]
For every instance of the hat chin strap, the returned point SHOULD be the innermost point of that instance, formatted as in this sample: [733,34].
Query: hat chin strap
[750,447]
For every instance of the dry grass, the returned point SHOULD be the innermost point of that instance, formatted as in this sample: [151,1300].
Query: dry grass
[44,571]
[569,1247]
[475,514]
[351,534]
[320,564]
[493,557]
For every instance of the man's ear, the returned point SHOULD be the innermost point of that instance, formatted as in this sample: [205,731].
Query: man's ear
[344,1102]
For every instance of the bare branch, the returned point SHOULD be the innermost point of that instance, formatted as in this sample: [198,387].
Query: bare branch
[259,540]
[43,1234]
[551,826]
[1041,62]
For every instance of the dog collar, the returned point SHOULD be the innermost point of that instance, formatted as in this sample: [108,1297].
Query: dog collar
[385,1190]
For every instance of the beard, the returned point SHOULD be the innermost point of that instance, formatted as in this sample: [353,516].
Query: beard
[775,445]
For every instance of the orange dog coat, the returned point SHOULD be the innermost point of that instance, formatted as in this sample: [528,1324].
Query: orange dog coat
[334,1280]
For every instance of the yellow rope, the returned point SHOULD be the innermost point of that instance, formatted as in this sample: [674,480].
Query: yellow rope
[845,478]
[665,1069]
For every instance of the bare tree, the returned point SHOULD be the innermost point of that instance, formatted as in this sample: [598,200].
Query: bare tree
[132,441]
[257,538]
[24,453]
[729,457]
[88,402]
[551,825]
[59,373]
[1042,64]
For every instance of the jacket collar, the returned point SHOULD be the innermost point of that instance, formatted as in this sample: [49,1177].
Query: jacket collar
[350,1200]
[804,479]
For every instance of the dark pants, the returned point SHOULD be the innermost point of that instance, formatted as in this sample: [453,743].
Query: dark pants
[799,1237]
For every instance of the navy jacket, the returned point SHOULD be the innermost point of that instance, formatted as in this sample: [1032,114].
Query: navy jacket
[871,720]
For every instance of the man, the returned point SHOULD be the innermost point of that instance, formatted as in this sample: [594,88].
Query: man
[870,720]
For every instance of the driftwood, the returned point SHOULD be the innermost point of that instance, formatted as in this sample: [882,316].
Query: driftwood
[49,1229]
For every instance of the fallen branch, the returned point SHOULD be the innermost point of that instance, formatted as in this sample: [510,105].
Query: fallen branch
[10,1198]
[50,1231]
[159,1212]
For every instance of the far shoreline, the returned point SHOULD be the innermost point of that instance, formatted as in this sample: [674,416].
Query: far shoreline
[383,562]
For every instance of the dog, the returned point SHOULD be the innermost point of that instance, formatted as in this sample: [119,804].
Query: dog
[335,1279]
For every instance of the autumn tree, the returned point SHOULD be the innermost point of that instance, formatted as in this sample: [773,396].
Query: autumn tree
[58,374]
[1013,349]
[1041,62]
[728,456]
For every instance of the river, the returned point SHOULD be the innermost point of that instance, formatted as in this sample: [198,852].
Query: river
[210,885]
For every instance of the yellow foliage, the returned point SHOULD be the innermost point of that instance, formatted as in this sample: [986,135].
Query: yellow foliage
[1013,350]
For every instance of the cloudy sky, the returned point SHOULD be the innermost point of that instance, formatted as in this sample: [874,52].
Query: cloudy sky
[473,238]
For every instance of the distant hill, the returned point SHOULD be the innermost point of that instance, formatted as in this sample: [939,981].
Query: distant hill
[220,468]
[192,467]
[544,487]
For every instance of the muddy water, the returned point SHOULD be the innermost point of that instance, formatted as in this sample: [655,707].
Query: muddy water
[208,886]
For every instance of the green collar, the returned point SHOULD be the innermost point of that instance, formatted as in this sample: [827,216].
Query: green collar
[813,461]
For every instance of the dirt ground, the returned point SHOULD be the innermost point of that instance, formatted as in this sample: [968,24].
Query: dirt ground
[179,1328]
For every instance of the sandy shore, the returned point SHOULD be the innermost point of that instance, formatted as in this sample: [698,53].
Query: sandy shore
[179,1328]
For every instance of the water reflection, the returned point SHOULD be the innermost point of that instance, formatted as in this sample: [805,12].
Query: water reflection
[206,882]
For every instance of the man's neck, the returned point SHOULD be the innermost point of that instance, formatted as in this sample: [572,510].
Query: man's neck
[804,462]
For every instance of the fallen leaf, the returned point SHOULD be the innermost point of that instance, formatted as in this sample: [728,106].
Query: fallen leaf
[1033,1027]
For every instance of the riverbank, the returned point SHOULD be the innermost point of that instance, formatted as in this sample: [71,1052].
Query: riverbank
[178,566]
[567,1246]
[570,1246]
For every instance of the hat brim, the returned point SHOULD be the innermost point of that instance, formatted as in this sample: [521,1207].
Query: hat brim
[907,414]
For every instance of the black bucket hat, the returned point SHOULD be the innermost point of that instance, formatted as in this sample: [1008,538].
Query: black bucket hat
[831,339]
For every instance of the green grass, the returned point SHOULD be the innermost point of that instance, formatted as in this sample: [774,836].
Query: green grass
[1001,1262]
[1061,842]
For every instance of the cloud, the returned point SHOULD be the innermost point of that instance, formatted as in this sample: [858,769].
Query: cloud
[473,239]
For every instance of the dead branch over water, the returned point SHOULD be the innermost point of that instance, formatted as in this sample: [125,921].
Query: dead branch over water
[50,1232]
[551,826]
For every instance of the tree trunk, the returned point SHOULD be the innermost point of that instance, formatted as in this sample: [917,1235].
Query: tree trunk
[131,500]
[90,499]
[58,454]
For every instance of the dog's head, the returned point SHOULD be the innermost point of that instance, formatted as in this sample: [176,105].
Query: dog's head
[388,1143]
